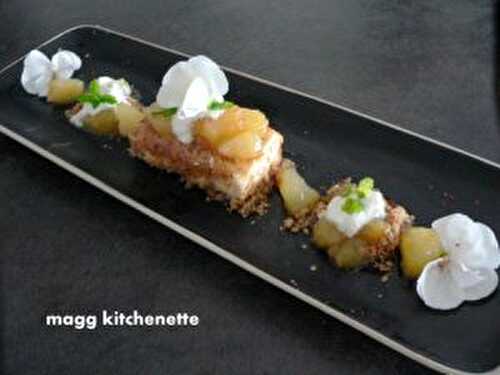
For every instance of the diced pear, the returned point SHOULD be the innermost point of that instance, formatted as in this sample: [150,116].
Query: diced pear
[255,121]
[65,91]
[104,122]
[232,122]
[158,121]
[297,195]
[350,254]
[326,234]
[246,145]
[375,231]
[419,246]
[129,118]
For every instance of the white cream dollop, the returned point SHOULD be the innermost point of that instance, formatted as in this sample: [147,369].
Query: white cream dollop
[118,88]
[467,271]
[190,86]
[350,224]
[39,71]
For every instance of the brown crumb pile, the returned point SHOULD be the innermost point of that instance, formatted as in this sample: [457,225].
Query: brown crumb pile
[304,221]
[383,254]
[257,203]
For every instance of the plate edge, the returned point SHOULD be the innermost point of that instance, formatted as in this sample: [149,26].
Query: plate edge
[370,332]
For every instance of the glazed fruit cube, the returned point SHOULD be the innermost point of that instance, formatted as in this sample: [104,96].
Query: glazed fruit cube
[350,254]
[375,231]
[159,121]
[231,123]
[129,118]
[246,145]
[254,121]
[104,122]
[419,246]
[297,195]
[65,91]
[326,234]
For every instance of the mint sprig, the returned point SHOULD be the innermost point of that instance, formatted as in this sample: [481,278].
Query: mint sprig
[354,195]
[365,187]
[167,112]
[94,97]
[220,106]
[213,106]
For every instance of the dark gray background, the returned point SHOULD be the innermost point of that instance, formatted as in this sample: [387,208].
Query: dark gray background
[66,247]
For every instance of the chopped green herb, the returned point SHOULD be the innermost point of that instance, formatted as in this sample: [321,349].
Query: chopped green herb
[352,206]
[94,97]
[365,187]
[349,190]
[167,112]
[219,106]
[355,193]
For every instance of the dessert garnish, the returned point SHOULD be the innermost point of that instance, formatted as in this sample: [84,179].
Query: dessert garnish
[51,78]
[465,270]
[97,105]
[357,206]
[229,151]
[359,227]
[191,90]
[95,97]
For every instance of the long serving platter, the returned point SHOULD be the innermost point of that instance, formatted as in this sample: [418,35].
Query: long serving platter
[329,142]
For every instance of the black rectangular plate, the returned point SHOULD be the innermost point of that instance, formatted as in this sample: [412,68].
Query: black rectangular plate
[328,142]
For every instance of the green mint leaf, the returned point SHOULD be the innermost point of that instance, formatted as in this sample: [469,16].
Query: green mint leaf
[85,98]
[349,191]
[352,206]
[94,97]
[88,98]
[354,194]
[94,87]
[109,99]
[365,187]
[219,106]
[167,112]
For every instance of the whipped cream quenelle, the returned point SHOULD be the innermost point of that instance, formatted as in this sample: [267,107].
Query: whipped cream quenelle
[117,88]
[467,270]
[39,71]
[191,87]
[374,207]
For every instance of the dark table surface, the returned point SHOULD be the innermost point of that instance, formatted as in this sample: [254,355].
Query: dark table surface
[66,247]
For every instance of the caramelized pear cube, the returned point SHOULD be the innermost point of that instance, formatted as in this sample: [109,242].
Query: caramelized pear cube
[325,234]
[129,118]
[297,195]
[350,254]
[158,121]
[65,91]
[375,231]
[104,122]
[246,145]
[419,246]
[231,123]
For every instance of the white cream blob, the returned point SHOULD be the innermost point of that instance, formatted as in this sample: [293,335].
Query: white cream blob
[118,88]
[39,71]
[191,86]
[350,224]
[467,271]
